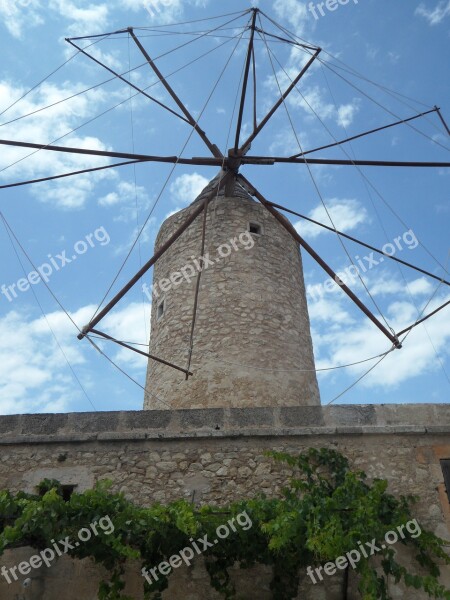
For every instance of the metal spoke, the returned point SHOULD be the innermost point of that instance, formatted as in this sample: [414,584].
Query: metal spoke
[126,81]
[140,157]
[254,160]
[245,81]
[52,177]
[88,328]
[280,101]
[360,135]
[212,147]
[431,314]
[444,123]
[146,354]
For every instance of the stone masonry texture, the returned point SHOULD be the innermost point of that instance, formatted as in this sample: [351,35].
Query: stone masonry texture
[217,456]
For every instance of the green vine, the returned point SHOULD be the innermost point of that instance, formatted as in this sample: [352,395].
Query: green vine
[325,511]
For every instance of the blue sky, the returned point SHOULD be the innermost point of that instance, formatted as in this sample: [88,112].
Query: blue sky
[89,222]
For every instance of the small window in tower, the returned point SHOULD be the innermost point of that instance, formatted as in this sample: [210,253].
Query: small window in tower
[255,228]
[445,466]
[160,310]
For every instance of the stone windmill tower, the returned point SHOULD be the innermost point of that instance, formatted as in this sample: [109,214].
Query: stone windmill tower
[252,343]
[233,330]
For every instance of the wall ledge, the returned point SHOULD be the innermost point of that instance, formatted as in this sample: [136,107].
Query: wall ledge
[298,421]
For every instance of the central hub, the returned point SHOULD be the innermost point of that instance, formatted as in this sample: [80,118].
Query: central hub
[234,161]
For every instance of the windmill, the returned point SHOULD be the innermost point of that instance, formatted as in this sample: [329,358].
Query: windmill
[262,28]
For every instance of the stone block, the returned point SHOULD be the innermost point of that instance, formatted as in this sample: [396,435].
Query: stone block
[98,422]
[251,417]
[212,418]
[43,423]
[350,415]
[301,416]
[149,419]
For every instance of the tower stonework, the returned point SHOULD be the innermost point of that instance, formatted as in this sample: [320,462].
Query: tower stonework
[252,342]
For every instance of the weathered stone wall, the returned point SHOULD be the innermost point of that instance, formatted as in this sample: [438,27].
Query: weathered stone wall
[217,456]
[252,344]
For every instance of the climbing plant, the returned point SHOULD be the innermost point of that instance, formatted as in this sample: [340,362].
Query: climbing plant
[325,511]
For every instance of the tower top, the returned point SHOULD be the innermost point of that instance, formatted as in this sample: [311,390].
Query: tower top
[234,189]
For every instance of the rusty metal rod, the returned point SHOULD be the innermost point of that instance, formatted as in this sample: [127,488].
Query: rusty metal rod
[128,155]
[360,135]
[327,161]
[245,81]
[151,262]
[135,87]
[255,89]
[431,314]
[219,162]
[52,177]
[281,100]
[212,147]
[290,228]
[125,345]
[283,39]
[442,119]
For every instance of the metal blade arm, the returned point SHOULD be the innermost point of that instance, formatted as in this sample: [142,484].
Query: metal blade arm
[254,160]
[212,147]
[71,174]
[135,87]
[280,101]
[90,326]
[245,81]
[127,155]
[146,354]
[360,135]
[423,319]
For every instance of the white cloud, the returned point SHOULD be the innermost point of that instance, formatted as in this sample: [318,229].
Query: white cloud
[348,343]
[44,127]
[130,324]
[126,194]
[327,311]
[437,14]
[315,106]
[311,100]
[19,14]
[420,286]
[347,214]
[86,17]
[91,18]
[33,373]
[384,286]
[161,10]
[346,113]
[293,11]
[34,376]
[186,188]
[285,142]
